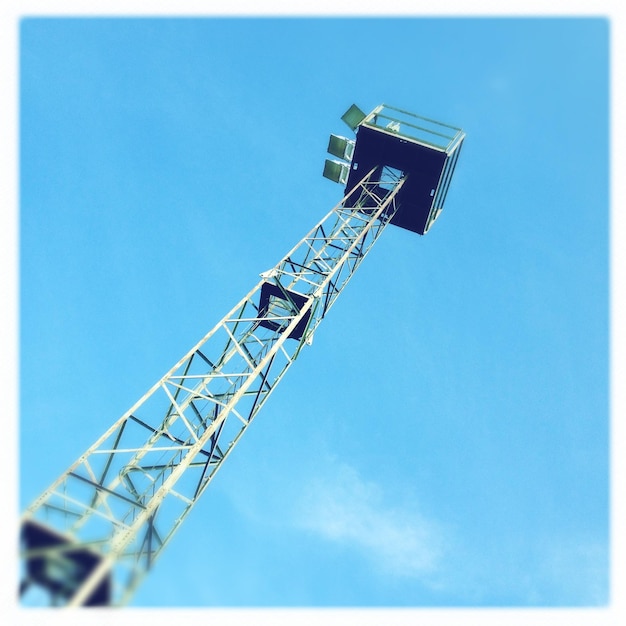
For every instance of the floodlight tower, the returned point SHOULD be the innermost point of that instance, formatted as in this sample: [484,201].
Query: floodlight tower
[96,531]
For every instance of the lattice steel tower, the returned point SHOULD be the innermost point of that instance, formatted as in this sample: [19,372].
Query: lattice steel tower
[92,535]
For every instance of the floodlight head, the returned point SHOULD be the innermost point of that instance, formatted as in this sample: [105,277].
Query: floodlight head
[341,147]
[353,116]
[336,171]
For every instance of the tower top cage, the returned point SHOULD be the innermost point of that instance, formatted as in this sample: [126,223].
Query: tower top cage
[422,150]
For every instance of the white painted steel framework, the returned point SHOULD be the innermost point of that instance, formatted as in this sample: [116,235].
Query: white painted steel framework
[112,512]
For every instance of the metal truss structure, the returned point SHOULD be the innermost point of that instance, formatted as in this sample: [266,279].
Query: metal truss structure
[95,532]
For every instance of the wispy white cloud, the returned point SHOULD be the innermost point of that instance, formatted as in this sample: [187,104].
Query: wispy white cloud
[343,507]
[574,570]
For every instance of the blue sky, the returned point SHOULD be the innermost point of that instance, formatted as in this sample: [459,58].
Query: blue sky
[444,442]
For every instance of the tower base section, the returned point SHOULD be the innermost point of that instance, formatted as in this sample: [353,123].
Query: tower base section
[59,572]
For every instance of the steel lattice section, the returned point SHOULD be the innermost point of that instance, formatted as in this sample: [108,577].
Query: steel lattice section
[119,504]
